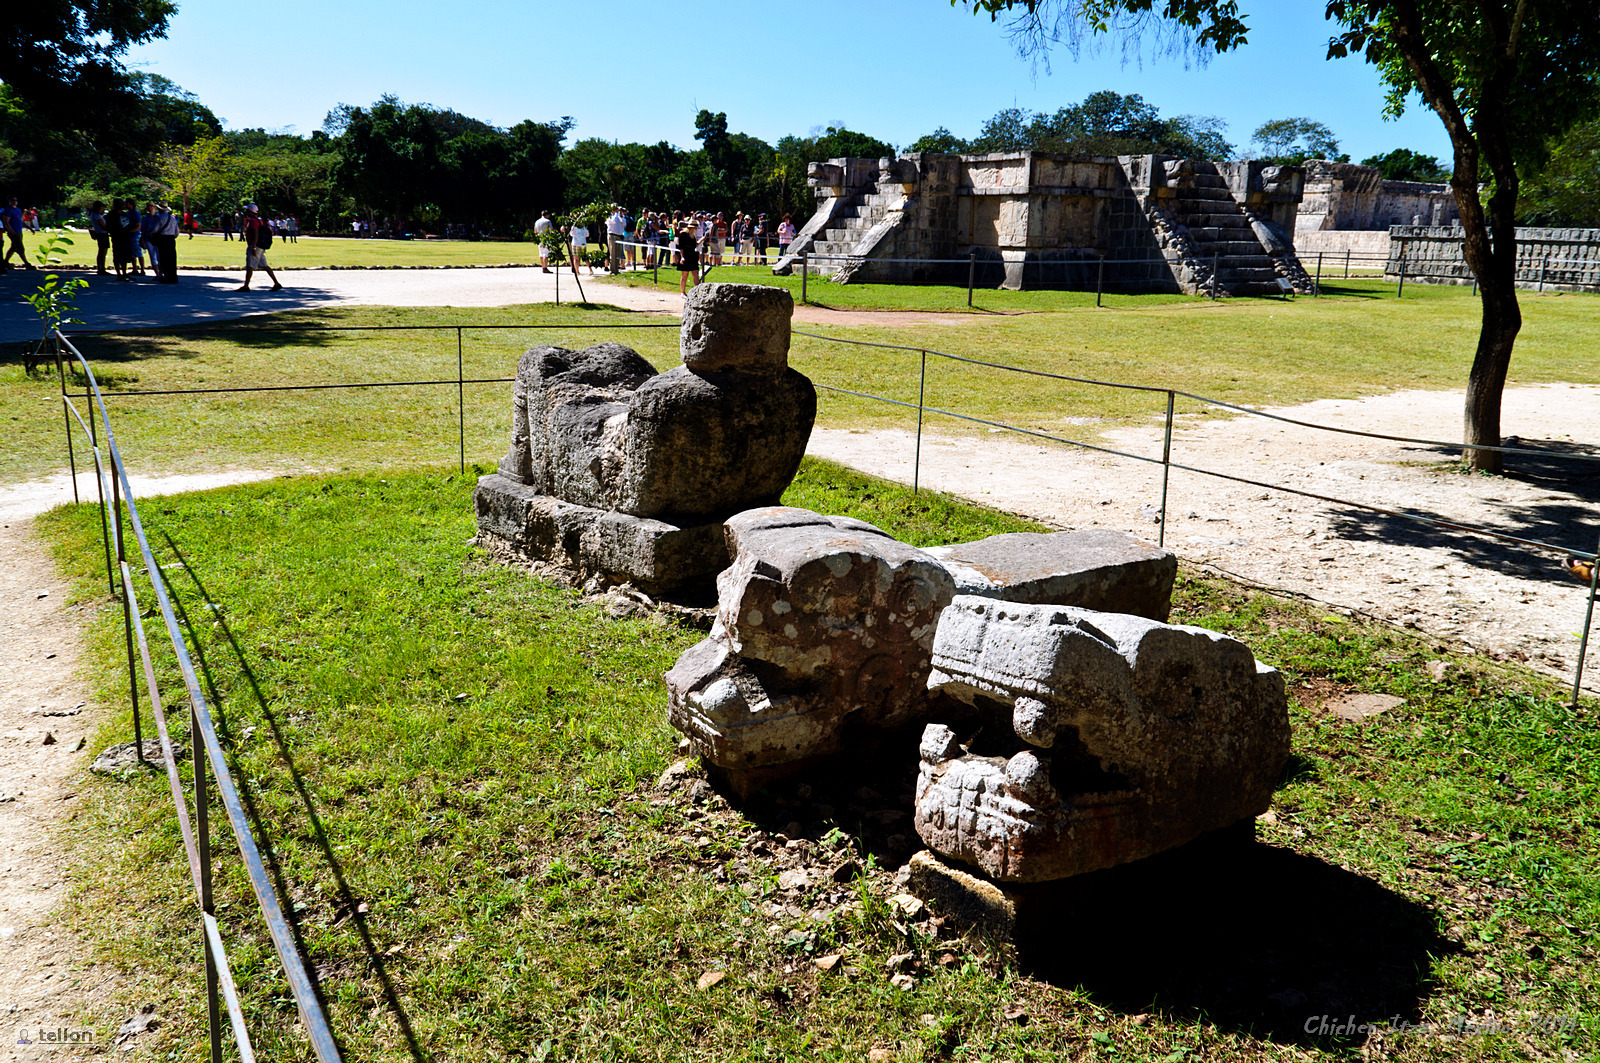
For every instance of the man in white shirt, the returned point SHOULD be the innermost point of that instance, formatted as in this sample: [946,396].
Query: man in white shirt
[616,232]
[541,227]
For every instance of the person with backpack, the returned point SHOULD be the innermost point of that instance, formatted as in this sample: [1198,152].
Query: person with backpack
[257,238]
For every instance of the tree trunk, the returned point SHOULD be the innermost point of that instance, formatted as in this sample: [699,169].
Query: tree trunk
[1502,320]
[1489,237]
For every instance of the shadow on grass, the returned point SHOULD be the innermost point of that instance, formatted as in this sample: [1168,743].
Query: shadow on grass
[1566,518]
[1252,937]
[348,902]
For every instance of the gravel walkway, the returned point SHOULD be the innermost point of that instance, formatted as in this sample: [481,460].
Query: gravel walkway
[1500,599]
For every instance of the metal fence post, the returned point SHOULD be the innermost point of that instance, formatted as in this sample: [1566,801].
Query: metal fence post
[972,270]
[1100,280]
[1316,289]
[804,270]
[107,535]
[1347,263]
[461,400]
[1401,290]
[1544,264]
[916,460]
[202,819]
[1216,273]
[1588,618]
[1166,471]
[66,415]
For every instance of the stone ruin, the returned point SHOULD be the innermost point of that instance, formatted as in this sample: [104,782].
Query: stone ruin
[1037,219]
[1064,726]
[1104,738]
[627,474]
[825,629]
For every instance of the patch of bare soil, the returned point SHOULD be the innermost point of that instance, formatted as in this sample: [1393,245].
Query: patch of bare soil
[48,977]
[1500,599]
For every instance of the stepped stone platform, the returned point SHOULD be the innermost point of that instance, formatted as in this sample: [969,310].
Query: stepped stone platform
[1043,220]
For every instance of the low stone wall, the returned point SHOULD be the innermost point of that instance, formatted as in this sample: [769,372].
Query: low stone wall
[1566,260]
[1332,242]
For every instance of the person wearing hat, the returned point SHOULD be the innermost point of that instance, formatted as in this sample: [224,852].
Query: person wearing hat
[257,238]
[164,238]
[688,257]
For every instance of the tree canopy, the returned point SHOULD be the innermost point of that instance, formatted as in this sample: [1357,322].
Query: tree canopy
[1508,78]
[1294,140]
[1104,123]
[1403,164]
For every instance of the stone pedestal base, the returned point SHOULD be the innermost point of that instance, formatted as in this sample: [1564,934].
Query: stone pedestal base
[1033,919]
[653,555]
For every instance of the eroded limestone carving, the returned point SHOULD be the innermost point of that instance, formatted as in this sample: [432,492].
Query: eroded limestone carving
[618,470]
[824,628]
[1105,738]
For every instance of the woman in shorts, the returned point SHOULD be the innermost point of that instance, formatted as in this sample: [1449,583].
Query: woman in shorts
[688,259]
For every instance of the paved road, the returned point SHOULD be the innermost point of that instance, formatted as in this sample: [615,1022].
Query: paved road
[210,296]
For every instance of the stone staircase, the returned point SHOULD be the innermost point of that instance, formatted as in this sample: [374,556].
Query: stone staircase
[1204,225]
[847,227]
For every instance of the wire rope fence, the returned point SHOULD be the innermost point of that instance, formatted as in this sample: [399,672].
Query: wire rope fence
[1167,398]
[209,766]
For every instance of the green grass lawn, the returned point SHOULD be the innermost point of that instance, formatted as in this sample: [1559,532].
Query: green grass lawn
[1269,352]
[921,297]
[448,762]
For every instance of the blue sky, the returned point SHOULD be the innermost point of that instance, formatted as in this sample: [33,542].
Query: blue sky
[639,71]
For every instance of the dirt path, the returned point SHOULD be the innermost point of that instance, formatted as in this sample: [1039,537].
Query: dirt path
[47,977]
[1500,599]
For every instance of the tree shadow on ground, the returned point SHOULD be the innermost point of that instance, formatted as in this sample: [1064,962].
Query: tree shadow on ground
[347,902]
[1570,471]
[1255,938]
[1347,291]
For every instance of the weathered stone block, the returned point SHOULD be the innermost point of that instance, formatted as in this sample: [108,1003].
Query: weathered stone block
[702,445]
[655,555]
[736,328]
[1107,738]
[821,622]
[1098,569]
[653,461]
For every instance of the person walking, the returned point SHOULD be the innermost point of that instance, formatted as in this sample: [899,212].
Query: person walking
[785,235]
[124,226]
[257,238]
[11,223]
[147,226]
[578,240]
[225,223]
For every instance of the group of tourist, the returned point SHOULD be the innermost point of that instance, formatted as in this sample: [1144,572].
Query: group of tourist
[131,237]
[685,240]
[284,229]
